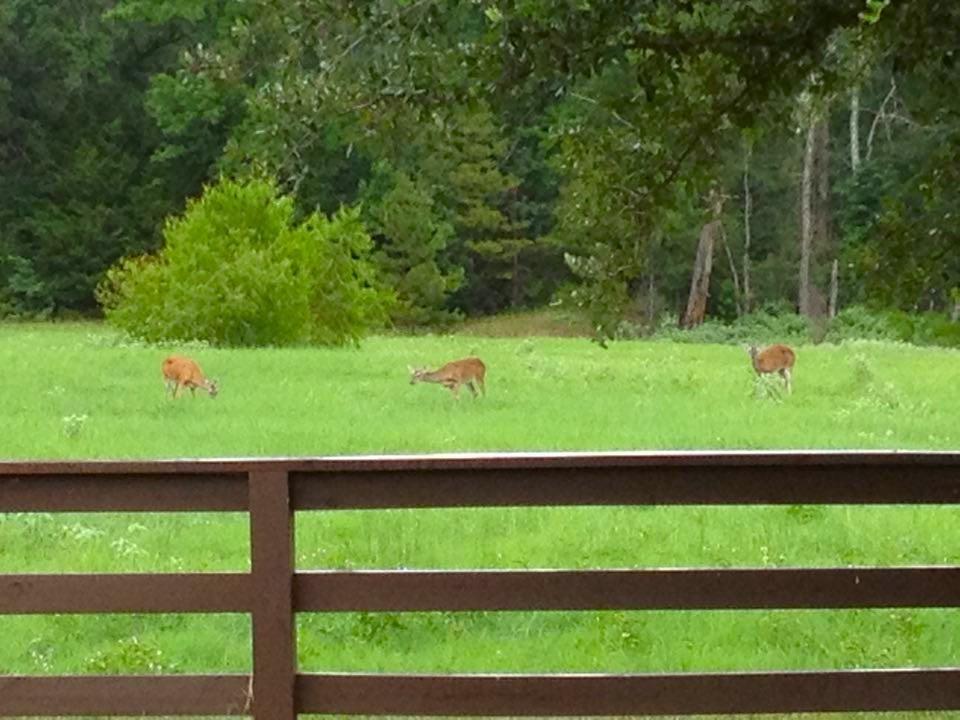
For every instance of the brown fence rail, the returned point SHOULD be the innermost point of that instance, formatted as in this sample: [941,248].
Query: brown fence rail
[273,591]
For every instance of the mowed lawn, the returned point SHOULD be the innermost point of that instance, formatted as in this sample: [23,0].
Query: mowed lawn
[79,391]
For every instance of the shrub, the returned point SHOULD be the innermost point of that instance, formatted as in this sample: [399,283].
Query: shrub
[936,329]
[236,269]
[758,327]
[858,323]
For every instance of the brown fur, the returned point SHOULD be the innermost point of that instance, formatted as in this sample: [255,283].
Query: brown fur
[181,372]
[775,358]
[454,374]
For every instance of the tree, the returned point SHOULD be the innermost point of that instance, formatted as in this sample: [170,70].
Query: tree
[237,269]
[561,143]
[711,233]
[412,241]
[79,187]
[465,171]
[747,218]
[899,238]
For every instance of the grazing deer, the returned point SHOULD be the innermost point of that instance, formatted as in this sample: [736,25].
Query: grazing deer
[453,375]
[180,372]
[775,358]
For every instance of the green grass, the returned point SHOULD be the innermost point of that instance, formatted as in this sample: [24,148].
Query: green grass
[544,394]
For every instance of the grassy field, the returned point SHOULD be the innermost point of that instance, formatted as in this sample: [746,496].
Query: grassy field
[78,391]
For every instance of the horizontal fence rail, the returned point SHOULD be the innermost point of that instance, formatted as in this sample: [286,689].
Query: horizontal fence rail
[749,589]
[272,490]
[666,694]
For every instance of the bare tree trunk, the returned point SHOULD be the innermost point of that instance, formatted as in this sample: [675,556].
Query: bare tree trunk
[703,266]
[737,297]
[821,206]
[955,315]
[700,284]
[651,301]
[855,129]
[806,223]
[814,214]
[747,212]
[881,115]
[834,288]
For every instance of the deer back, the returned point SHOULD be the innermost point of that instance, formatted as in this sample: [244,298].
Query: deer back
[182,370]
[464,370]
[458,371]
[774,358]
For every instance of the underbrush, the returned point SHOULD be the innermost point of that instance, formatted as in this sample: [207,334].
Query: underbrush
[774,325]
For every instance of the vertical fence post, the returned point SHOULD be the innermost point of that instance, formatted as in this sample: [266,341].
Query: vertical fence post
[272,563]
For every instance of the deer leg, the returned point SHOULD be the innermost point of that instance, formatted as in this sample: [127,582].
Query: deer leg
[455,389]
[472,387]
[785,374]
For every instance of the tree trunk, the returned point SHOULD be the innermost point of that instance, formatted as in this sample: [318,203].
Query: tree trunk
[855,129]
[806,223]
[737,297]
[700,284]
[651,301]
[955,315]
[814,214]
[702,267]
[881,115]
[834,288]
[747,212]
[821,206]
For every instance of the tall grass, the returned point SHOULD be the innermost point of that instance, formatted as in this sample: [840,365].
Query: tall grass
[79,392]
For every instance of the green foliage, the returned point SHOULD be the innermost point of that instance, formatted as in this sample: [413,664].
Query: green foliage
[898,220]
[761,327]
[515,135]
[412,240]
[860,323]
[465,169]
[237,270]
[77,189]
[766,326]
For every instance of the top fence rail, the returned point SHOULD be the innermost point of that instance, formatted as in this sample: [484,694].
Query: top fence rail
[479,480]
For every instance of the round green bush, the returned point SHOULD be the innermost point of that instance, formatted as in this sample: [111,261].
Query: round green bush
[236,269]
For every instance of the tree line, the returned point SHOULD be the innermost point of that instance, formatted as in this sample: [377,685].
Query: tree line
[631,157]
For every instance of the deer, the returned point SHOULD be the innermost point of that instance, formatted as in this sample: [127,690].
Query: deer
[454,374]
[774,358]
[181,372]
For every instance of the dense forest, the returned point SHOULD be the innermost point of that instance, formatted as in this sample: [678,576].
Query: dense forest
[636,159]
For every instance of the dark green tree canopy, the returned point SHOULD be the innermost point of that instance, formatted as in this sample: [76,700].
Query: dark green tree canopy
[506,153]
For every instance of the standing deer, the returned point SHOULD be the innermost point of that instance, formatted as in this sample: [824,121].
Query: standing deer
[453,375]
[775,358]
[180,372]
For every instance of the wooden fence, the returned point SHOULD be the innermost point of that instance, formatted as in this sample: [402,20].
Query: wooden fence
[274,591]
